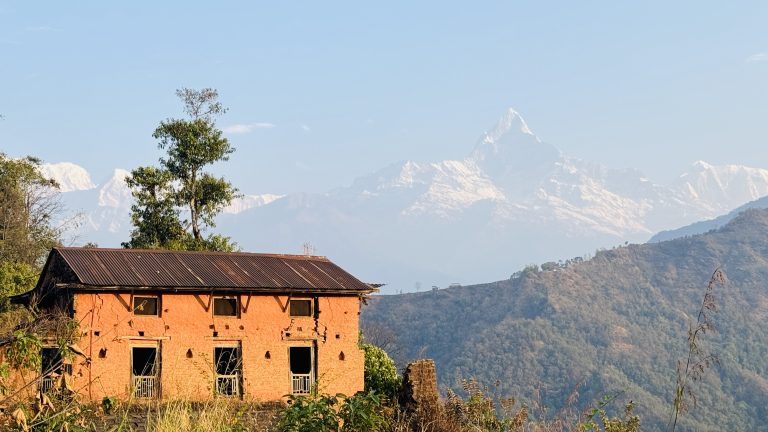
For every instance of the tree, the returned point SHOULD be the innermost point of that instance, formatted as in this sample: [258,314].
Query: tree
[30,209]
[29,203]
[154,215]
[201,104]
[180,186]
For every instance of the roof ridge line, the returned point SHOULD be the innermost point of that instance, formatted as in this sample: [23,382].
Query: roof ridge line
[301,257]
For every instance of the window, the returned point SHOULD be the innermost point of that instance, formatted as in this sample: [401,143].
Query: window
[225,306]
[228,367]
[301,308]
[146,305]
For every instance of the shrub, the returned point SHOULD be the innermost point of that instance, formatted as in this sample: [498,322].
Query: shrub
[325,413]
[360,413]
[310,414]
[380,372]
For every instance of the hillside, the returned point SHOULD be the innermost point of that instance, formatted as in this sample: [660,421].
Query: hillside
[615,322]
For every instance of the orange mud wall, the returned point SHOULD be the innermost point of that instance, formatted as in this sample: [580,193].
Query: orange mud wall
[186,333]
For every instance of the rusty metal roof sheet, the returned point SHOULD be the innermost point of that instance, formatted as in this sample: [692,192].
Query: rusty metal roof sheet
[162,269]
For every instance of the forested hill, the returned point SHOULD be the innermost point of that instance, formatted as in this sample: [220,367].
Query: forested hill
[615,322]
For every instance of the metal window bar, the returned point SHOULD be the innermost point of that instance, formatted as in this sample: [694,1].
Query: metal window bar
[228,385]
[301,383]
[46,383]
[145,386]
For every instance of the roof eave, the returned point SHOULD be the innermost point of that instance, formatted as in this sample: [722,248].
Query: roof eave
[208,290]
[21,299]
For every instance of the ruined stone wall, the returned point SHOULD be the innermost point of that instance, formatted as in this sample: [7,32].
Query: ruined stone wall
[419,393]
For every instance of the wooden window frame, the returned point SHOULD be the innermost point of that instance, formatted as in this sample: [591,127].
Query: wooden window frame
[311,307]
[237,306]
[159,299]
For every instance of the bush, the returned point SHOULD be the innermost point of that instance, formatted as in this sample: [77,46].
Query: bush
[359,413]
[380,372]
[310,414]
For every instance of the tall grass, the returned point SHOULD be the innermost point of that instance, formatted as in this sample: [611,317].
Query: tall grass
[216,415]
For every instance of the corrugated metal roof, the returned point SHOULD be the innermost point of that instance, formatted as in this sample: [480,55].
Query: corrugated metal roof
[202,270]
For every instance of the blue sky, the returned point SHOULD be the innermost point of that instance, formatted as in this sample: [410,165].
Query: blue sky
[323,92]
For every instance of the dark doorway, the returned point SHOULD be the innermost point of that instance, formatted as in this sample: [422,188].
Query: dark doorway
[228,367]
[302,370]
[301,360]
[145,368]
[51,361]
[51,368]
[144,361]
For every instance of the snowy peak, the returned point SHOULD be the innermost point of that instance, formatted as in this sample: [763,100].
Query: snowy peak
[511,138]
[69,176]
[239,205]
[104,209]
[513,157]
[115,192]
[509,122]
[722,187]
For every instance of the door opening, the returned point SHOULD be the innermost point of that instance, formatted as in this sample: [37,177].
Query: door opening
[302,369]
[145,372]
[228,370]
[52,368]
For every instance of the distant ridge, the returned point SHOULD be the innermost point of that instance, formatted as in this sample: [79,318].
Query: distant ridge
[614,323]
[708,225]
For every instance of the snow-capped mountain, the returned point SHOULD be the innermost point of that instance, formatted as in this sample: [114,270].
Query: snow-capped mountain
[69,176]
[513,200]
[722,188]
[103,211]
[241,204]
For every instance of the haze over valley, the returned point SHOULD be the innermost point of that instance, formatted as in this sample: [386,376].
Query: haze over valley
[512,201]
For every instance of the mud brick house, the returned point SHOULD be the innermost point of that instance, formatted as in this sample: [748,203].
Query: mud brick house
[168,324]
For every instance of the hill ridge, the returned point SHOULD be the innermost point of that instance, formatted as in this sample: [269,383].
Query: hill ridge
[617,321]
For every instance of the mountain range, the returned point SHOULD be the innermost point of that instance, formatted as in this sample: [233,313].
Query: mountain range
[512,200]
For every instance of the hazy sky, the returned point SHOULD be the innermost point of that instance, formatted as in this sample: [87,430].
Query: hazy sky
[322,92]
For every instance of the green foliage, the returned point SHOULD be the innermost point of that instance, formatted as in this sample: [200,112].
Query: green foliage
[108,404]
[154,215]
[310,414]
[28,205]
[15,278]
[597,420]
[5,370]
[325,413]
[360,413]
[180,186]
[24,351]
[380,372]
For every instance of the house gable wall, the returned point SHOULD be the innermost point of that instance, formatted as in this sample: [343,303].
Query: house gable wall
[186,334]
